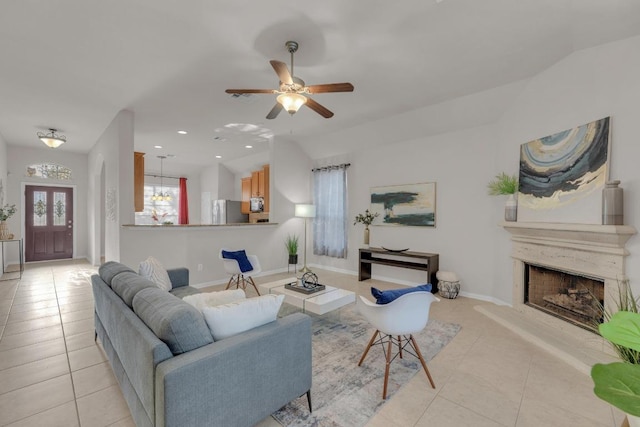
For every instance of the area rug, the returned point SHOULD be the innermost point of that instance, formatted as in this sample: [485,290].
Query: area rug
[343,393]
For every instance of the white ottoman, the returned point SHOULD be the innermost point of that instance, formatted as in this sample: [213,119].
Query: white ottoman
[448,284]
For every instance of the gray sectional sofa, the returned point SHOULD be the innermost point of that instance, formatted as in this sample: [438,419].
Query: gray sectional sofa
[170,370]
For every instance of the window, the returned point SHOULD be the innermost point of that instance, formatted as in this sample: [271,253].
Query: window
[166,211]
[330,223]
[49,171]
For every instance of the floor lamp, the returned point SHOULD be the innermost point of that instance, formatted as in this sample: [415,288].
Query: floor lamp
[305,211]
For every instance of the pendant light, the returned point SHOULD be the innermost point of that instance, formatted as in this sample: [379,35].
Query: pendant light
[161,196]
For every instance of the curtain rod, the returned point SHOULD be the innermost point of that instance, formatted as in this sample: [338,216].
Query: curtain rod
[326,168]
[161,176]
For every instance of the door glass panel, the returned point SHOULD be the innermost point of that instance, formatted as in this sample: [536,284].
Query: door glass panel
[59,208]
[39,208]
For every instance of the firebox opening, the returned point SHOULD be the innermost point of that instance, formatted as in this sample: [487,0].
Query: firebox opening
[576,299]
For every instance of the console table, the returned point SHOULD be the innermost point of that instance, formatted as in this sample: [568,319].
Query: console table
[20,256]
[409,259]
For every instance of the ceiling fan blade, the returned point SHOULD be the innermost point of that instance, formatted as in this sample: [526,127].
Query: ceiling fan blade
[274,111]
[318,108]
[250,91]
[331,87]
[282,71]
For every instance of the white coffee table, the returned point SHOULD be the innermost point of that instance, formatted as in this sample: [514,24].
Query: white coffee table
[320,302]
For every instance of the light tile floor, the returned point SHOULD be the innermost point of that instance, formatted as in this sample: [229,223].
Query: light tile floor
[53,374]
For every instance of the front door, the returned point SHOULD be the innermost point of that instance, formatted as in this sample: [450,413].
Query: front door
[49,223]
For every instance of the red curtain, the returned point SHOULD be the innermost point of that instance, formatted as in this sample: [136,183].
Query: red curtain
[183,204]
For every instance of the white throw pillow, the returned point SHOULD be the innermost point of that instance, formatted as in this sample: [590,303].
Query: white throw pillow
[152,269]
[230,319]
[212,299]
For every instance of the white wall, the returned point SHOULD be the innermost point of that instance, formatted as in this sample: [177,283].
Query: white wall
[588,85]
[18,158]
[585,86]
[114,152]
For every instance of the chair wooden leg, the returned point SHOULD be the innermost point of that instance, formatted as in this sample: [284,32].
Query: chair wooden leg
[386,369]
[254,284]
[230,282]
[424,365]
[366,350]
[400,345]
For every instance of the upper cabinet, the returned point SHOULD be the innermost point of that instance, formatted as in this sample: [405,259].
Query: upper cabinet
[138,181]
[257,185]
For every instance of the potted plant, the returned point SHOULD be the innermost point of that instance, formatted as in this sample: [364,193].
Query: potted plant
[291,243]
[366,219]
[6,212]
[504,184]
[618,383]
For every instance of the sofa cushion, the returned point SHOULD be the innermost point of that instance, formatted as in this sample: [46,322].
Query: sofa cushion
[175,322]
[184,291]
[230,319]
[153,270]
[111,269]
[385,297]
[128,284]
[211,299]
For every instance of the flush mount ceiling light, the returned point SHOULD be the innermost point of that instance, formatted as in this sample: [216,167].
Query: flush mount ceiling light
[182,132]
[161,196]
[52,139]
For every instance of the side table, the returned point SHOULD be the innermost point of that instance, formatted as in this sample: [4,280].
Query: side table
[20,256]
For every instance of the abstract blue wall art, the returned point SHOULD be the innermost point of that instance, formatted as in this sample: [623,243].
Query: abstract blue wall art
[562,175]
[410,204]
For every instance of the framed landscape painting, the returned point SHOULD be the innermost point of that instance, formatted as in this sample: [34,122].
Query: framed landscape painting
[562,175]
[409,204]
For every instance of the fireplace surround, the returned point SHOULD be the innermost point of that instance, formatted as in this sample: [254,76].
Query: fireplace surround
[585,250]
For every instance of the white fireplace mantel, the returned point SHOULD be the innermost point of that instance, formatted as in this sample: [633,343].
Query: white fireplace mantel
[589,237]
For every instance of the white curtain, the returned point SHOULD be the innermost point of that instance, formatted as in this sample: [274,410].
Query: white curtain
[330,223]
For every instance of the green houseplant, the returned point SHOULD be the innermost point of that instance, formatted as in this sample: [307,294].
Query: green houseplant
[6,212]
[618,383]
[504,184]
[291,243]
[366,219]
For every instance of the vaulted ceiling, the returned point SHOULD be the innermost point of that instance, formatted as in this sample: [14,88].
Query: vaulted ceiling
[72,64]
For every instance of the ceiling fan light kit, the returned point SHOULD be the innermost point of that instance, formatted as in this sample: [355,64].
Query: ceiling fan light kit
[52,139]
[292,92]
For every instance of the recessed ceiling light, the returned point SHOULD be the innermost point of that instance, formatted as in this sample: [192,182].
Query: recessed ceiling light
[218,157]
[182,132]
[157,146]
[248,146]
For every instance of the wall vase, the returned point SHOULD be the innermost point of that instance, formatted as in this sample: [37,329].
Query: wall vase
[511,208]
[4,231]
[366,235]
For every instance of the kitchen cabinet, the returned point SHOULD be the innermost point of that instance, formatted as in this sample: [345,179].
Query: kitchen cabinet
[257,185]
[246,195]
[138,181]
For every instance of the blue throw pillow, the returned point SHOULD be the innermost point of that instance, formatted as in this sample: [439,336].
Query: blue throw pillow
[385,297]
[241,257]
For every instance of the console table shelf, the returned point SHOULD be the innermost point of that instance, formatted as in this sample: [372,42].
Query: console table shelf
[413,260]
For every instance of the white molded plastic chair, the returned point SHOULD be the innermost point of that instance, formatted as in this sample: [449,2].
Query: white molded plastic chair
[400,318]
[239,278]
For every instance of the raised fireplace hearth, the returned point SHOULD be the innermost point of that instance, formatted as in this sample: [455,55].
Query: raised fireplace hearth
[580,266]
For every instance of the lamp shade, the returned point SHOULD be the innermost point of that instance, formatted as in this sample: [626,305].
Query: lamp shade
[305,211]
[291,101]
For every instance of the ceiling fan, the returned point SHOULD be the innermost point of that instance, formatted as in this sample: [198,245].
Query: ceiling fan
[293,93]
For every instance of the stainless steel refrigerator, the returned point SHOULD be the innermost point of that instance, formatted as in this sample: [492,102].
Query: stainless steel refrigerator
[227,212]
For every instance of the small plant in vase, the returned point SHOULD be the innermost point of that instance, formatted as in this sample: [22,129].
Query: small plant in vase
[291,243]
[6,212]
[504,184]
[366,219]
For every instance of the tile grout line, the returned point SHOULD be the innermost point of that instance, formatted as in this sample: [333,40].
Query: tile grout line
[66,349]
[10,307]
